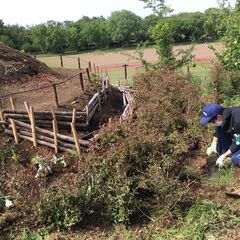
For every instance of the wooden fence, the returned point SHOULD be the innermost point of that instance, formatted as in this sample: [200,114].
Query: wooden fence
[52,86]
[34,125]
[128,102]
[42,127]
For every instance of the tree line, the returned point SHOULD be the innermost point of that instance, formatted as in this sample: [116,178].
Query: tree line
[122,29]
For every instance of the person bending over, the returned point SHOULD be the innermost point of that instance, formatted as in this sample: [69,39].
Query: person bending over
[226,140]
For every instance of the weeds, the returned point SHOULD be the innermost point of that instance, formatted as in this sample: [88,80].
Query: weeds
[203,219]
[225,177]
[64,207]
[28,234]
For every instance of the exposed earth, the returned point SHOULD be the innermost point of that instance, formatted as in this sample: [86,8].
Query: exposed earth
[17,179]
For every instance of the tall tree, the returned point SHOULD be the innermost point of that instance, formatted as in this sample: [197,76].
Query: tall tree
[124,27]
[230,58]
[158,7]
[56,37]
[39,33]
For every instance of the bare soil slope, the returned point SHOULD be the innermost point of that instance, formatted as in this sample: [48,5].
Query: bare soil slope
[15,64]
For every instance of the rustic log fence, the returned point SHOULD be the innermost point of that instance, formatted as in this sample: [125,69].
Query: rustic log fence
[42,127]
[128,103]
[52,86]
[35,125]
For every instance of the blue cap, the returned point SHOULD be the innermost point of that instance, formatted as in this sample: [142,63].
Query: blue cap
[210,111]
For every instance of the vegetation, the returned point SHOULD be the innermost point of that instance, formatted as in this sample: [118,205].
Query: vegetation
[122,28]
[141,179]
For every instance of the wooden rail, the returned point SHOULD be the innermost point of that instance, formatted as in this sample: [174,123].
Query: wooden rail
[34,125]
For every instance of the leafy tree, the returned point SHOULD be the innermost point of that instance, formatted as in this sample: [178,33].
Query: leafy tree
[211,23]
[124,26]
[1,27]
[147,23]
[158,7]
[231,57]
[73,37]
[18,36]
[95,33]
[163,35]
[56,38]
[39,33]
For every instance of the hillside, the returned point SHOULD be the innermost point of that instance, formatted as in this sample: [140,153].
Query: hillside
[15,65]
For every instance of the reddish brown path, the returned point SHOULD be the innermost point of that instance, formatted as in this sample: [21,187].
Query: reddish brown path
[114,61]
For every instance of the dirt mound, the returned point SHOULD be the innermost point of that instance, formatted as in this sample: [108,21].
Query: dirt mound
[15,65]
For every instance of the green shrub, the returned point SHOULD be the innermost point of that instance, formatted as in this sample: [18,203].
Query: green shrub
[138,165]
[28,234]
[224,84]
[65,206]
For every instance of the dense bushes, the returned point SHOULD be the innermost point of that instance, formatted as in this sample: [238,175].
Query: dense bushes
[136,166]
[64,206]
[224,85]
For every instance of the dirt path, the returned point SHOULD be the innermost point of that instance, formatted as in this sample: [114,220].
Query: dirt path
[44,98]
[115,60]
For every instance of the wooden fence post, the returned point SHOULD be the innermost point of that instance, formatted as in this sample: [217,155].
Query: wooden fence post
[74,116]
[90,66]
[12,103]
[55,95]
[79,63]
[81,81]
[104,90]
[125,71]
[1,111]
[94,67]
[88,75]
[55,130]
[87,114]
[33,125]
[28,111]
[74,131]
[98,71]
[61,60]
[54,117]
[14,129]
[109,84]
[99,102]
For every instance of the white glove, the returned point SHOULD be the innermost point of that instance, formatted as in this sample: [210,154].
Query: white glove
[212,148]
[221,160]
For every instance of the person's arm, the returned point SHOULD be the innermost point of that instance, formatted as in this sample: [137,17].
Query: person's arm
[228,153]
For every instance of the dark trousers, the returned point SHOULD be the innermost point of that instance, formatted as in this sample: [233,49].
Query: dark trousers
[224,142]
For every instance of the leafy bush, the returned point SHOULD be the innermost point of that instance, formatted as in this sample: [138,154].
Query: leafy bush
[64,206]
[28,234]
[137,165]
[224,85]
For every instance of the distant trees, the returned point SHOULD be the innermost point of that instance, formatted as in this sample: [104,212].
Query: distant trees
[230,26]
[125,27]
[122,28]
